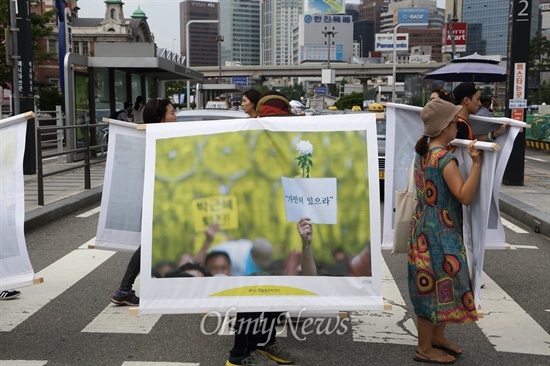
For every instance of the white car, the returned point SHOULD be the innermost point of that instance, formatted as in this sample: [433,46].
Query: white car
[185,115]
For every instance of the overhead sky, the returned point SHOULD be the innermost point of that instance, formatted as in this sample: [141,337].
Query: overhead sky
[163,17]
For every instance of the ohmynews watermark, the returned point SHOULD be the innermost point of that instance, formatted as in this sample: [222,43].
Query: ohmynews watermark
[299,326]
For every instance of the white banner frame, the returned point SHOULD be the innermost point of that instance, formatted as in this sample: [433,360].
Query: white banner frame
[119,224]
[15,266]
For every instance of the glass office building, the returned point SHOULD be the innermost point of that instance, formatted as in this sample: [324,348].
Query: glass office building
[487,26]
[239,24]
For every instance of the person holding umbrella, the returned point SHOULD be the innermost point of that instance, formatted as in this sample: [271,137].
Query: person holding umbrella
[468,96]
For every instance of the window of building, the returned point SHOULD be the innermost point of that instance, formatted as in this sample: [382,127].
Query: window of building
[85,49]
[113,14]
[52,46]
[54,82]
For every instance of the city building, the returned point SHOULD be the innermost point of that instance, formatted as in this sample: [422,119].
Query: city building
[279,18]
[239,26]
[363,34]
[545,14]
[319,32]
[436,16]
[487,23]
[426,37]
[204,43]
[114,27]
[372,10]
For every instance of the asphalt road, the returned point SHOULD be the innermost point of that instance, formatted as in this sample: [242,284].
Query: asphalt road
[68,320]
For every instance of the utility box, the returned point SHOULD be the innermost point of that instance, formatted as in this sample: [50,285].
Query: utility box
[328,76]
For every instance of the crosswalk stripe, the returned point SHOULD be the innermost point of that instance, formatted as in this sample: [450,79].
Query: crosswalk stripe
[513,227]
[58,277]
[116,319]
[143,363]
[516,246]
[22,363]
[507,325]
[89,213]
[385,327]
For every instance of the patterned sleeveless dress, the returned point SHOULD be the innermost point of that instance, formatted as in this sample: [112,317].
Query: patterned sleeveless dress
[439,279]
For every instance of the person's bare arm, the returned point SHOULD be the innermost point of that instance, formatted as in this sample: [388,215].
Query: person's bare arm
[464,191]
[306,232]
[210,232]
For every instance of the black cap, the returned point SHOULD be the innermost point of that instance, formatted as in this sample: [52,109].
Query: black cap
[464,90]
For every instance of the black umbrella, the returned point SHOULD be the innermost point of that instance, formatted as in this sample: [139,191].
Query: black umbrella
[473,68]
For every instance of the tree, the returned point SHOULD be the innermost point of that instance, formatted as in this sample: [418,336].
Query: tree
[539,62]
[5,70]
[348,101]
[49,98]
[295,92]
[39,30]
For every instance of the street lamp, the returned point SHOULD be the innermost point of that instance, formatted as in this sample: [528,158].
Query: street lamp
[187,52]
[329,33]
[219,39]
[360,46]
[173,47]
[394,61]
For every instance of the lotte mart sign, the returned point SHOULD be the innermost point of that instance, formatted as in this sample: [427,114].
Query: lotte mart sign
[459,32]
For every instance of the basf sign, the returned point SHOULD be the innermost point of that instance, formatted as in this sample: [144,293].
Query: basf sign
[384,42]
[412,16]
[459,31]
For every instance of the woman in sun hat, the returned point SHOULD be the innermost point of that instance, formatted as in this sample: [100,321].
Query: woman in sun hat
[438,274]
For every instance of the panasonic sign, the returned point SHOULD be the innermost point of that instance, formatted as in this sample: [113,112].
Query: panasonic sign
[384,42]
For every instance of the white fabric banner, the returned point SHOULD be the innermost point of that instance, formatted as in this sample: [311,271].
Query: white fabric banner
[188,162]
[482,223]
[15,266]
[119,225]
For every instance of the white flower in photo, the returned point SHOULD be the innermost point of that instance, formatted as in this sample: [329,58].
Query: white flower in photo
[304,147]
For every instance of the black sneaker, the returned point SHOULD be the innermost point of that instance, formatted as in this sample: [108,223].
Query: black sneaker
[9,294]
[276,352]
[255,359]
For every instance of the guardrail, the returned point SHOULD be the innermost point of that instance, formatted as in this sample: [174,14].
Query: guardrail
[537,135]
[85,131]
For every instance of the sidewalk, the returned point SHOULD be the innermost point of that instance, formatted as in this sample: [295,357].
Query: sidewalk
[65,193]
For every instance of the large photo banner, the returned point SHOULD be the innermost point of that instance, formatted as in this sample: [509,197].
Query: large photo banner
[119,225]
[15,266]
[235,190]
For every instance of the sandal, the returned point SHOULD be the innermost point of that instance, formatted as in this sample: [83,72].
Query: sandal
[430,359]
[446,347]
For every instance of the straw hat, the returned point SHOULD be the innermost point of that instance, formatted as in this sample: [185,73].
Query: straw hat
[273,105]
[437,115]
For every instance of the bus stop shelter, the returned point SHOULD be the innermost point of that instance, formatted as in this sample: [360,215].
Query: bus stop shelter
[97,85]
